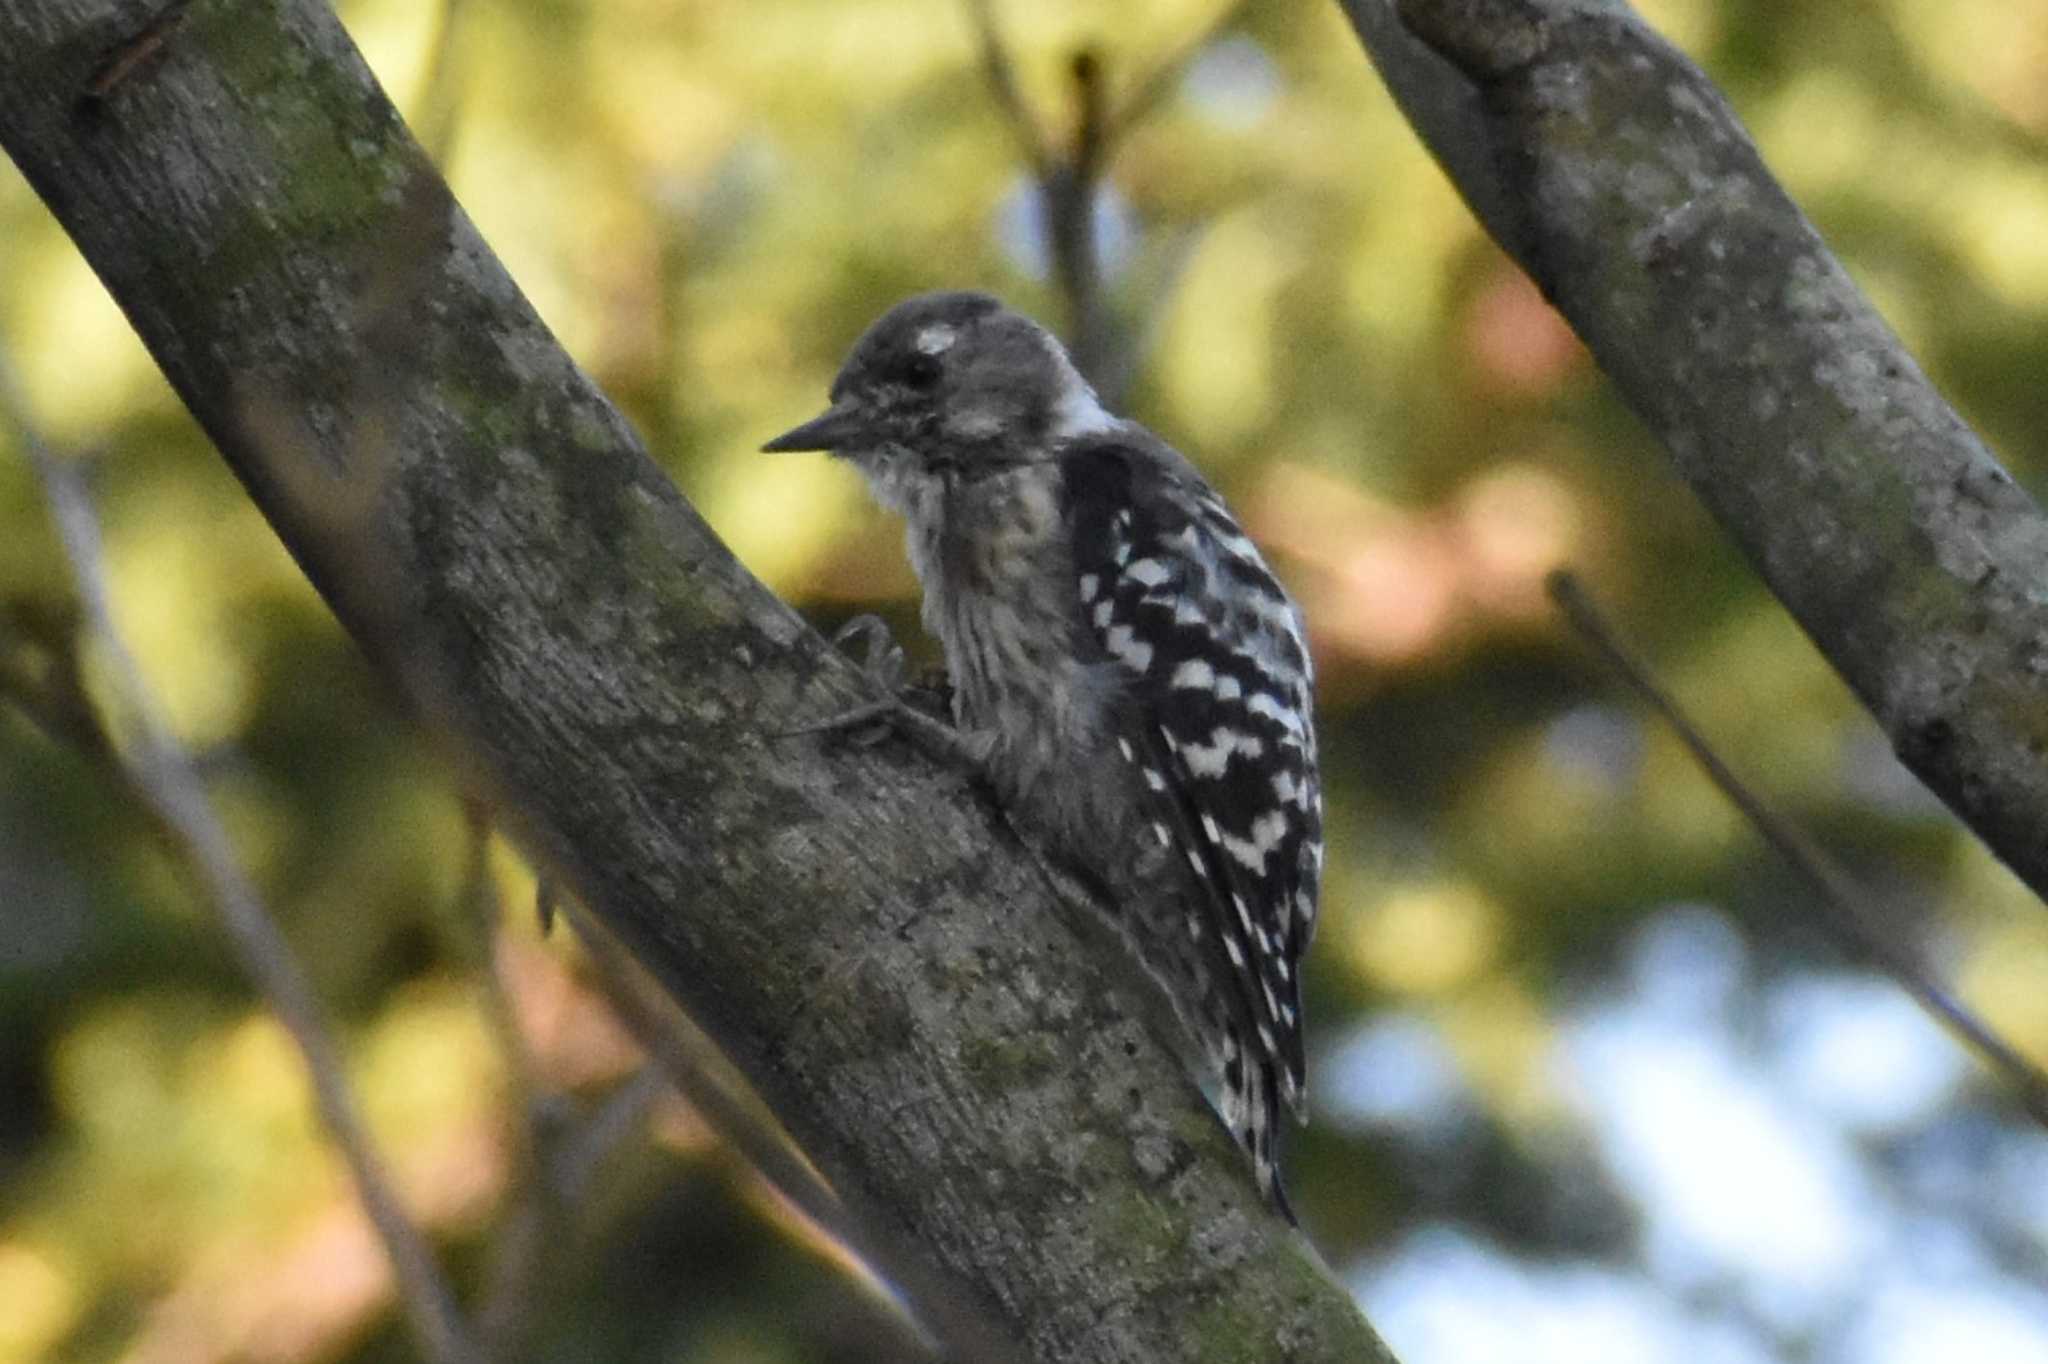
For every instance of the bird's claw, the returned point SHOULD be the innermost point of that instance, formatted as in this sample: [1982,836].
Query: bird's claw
[884,660]
[884,666]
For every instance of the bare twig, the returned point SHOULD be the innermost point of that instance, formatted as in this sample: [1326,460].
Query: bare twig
[693,1065]
[1067,196]
[583,1149]
[1151,90]
[1065,182]
[52,697]
[1002,83]
[527,1247]
[440,111]
[1067,177]
[1838,897]
[517,1264]
[159,770]
[479,943]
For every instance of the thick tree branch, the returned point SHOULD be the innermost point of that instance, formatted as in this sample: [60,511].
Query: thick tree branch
[848,924]
[1614,171]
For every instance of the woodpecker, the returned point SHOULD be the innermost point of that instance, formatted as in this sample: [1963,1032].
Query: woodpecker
[1136,676]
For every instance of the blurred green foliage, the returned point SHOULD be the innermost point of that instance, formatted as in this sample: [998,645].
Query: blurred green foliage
[707,202]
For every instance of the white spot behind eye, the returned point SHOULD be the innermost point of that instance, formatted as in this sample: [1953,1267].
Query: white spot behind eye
[936,339]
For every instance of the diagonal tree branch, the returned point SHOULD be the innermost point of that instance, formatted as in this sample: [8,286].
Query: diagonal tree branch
[850,926]
[1838,902]
[1614,171]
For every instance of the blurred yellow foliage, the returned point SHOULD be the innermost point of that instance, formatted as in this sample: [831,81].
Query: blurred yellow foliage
[42,1303]
[1424,939]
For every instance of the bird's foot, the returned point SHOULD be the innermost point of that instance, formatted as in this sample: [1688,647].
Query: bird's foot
[913,710]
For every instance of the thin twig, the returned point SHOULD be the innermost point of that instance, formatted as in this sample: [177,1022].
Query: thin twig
[52,698]
[1065,181]
[582,1150]
[1067,178]
[1002,82]
[439,115]
[528,1247]
[479,943]
[692,1063]
[517,1265]
[1151,91]
[1068,198]
[159,770]
[1838,896]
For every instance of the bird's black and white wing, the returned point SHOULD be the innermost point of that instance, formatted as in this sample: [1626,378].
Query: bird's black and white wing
[1174,592]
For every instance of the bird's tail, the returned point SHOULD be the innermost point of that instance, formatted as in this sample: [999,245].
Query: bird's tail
[1251,1109]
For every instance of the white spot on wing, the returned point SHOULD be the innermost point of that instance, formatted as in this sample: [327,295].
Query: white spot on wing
[1195,675]
[1210,759]
[1148,572]
[1133,652]
[1264,703]
[1268,829]
[1091,583]
[1246,853]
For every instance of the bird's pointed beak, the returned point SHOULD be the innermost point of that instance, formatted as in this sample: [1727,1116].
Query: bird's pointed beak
[839,427]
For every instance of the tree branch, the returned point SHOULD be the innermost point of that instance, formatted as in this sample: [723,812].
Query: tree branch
[156,767]
[1068,178]
[1838,901]
[1615,172]
[850,926]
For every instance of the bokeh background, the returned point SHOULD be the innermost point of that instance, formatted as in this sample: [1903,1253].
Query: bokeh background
[1590,1081]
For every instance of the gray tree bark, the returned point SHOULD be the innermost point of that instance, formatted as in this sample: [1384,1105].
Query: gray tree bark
[852,926]
[1617,175]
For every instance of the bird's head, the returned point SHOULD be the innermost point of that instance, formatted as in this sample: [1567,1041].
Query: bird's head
[950,385]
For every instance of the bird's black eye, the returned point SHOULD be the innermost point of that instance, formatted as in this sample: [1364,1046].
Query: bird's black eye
[921,370]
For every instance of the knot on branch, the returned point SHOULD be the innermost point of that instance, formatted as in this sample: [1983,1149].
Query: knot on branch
[1485,39]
